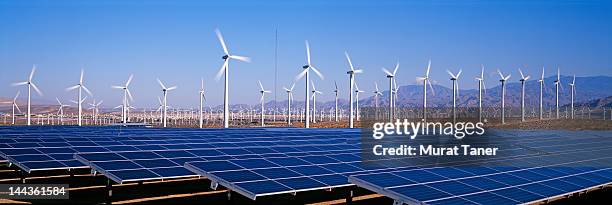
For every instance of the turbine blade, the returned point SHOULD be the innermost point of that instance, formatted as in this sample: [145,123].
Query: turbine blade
[459,74]
[171,88]
[542,73]
[307,53]
[81,79]
[19,83]
[433,92]
[129,94]
[161,84]
[451,74]
[387,72]
[349,61]
[260,85]
[521,72]
[117,87]
[36,89]
[396,67]
[222,70]
[301,75]
[241,58]
[336,84]
[482,72]
[292,85]
[72,88]
[16,106]
[428,68]
[86,90]
[358,71]
[317,72]
[500,74]
[129,81]
[32,73]
[16,96]
[376,85]
[220,37]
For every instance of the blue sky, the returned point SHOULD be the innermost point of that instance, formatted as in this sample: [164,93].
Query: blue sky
[175,41]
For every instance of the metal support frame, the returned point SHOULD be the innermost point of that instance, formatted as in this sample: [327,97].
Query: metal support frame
[398,202]
[214,185]
[109,188]
[349,196]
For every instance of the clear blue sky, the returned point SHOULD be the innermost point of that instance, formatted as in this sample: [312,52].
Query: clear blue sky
[175,41]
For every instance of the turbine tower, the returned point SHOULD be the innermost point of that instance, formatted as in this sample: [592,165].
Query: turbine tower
[202,99]
[426,81]
[261,100]
[572,85]
[357,91]
[306,72]
[289,99]
[542,84]
[454,78]
[15,106]
[126,94]
[523,80]
[481,85]
[503,95]
[391,77]
[336,101]
[314,102]
[165,91]
[30,86]
[81,87]
[351,74]
[557,84]
[225,69]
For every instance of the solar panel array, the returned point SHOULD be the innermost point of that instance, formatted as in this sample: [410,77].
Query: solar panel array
[259,162]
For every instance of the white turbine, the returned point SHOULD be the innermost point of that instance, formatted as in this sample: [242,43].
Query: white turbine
[542,85]
[60,110]
[455,78]
[261,100]
[523,81]
[30,86]
[557,86]
[202,99]
[306,73]
[126,94]
[15,106]
[573,90]
[314,102]
[426,81]
[481,85]
[165,91]
[225,69]
[351,74]
[391,76]
[289,99]
[376,94]
[336,101]
[357,91]
[95,109]
[503,95]
[81,87]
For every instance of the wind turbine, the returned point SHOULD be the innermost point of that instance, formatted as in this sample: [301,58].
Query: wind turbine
[454,78]
[30,86]
[542,84]
[336,101]
[314,102]
[481,85]
[81,87]
[426,80]
[306,72]
[202,99]
[261,100]
[15,106]
[572,85]
[391,77]
[289,99]
[225,69]
[165,91]
[357,91]
[557,84]
[95,110]
[60,111]
[503,95]
[523,80]
[126,94]
[351,74]
[376,94]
